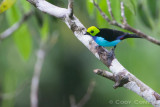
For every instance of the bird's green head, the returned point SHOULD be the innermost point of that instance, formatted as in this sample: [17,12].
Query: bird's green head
[93,30]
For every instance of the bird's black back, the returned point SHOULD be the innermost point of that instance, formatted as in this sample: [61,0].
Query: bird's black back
[111,35]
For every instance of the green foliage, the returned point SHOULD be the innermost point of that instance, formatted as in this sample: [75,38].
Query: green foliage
[149,14]
[131,5]
[9,87]
[45,29]
[6,4]
[25,8]
[90,8]
[115,5]
[23,41]
[22,36]
[100,21]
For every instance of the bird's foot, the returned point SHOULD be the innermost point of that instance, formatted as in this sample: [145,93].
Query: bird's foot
[101,49]
[111,52]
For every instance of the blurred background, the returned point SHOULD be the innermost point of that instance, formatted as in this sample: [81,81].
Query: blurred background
[68,65]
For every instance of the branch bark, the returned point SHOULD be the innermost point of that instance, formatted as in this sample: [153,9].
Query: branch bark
[119,72]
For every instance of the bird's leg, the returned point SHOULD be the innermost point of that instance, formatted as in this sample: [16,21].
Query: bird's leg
[99,49]
[111,52]
[96,47]
[113,49]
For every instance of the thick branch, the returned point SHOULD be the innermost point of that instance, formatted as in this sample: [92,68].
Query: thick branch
[125,24]
[14,27]
[112,63]
[48,8]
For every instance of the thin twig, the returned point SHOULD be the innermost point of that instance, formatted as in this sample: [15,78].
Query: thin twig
[123,13]
[125,25]
[41,53]
[35,80]
[105,74]
[105,16]
[85,98]
[119,79]
[14,27]
[70,8]
[18,91]
[72,101]
[102,13]
[110,9]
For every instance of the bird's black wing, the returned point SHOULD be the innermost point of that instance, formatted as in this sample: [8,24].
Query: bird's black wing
[110,34]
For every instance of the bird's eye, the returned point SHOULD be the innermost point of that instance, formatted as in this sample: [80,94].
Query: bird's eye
[92,31]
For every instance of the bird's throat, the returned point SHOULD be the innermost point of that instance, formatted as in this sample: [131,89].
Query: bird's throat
[94,37]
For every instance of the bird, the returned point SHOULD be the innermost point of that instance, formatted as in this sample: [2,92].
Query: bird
[108,37]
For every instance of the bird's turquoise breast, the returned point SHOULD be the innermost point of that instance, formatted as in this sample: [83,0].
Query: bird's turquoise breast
[102,42]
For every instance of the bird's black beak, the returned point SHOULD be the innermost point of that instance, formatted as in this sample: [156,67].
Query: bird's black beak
[86,33]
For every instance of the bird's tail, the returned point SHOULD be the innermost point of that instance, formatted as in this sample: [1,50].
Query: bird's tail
[131,36]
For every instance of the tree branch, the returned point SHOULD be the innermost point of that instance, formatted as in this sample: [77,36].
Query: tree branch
[14,27]
[105,74]
[35,79]
[85,98]
[122,76]
[70,8]
[110,9]
[125,24]
[41,53]
[123,14]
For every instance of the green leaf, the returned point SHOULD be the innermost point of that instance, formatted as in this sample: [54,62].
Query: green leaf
[27,7]
[23,41]
[90,8]
[153,7]
[145,15]
[129,16]
[6,4]
[9,87]
[45,28]
[115,5]
[13,15]
[22,36]
[100,20]
[131,42]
